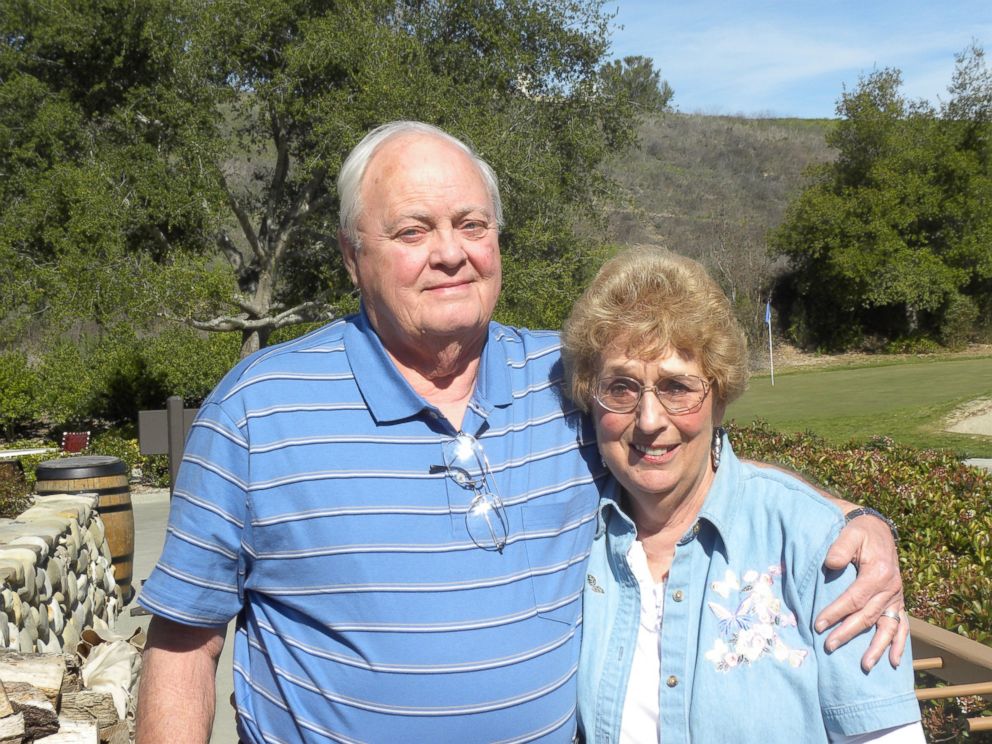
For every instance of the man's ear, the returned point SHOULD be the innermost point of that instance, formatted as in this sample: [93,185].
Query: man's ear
[348,255]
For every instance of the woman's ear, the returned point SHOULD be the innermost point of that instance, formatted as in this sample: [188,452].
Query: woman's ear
[719,409]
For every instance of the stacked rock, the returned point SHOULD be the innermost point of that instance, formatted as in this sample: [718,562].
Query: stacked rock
[56,575]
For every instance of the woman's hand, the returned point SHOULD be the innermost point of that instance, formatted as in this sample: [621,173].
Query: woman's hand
[867,543]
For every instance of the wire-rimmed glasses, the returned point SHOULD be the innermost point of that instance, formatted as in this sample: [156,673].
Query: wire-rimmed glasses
[466,464]
[678,394]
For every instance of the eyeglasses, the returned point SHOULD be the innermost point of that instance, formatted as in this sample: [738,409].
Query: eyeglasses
[679,394]
[466,464]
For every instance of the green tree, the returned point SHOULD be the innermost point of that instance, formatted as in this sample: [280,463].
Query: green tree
[636,78]
[175,159]
[887,237]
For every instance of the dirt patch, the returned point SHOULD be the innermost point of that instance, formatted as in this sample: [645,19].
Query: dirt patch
[972,418]
[789,357]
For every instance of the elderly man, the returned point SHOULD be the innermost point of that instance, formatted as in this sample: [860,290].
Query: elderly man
[397,507]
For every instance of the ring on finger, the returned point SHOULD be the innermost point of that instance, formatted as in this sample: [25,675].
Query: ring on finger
[893,614]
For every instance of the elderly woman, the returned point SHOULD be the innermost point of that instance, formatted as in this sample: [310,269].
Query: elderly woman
[706,574]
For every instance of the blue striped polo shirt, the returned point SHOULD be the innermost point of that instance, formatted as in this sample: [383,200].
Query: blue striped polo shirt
[310,501]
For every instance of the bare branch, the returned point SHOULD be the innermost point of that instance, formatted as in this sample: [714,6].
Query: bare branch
[230,250]
[162,241]
[299,210]
[250,308]
[302,313]
[229,323]
[320,202]
[243,220]
[282,168]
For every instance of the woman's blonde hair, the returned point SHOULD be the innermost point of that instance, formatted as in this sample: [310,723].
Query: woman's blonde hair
[643,302]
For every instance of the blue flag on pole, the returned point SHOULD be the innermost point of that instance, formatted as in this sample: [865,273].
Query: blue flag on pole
[768,322]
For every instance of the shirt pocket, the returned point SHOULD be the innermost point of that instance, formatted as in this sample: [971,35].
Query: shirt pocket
[558,537]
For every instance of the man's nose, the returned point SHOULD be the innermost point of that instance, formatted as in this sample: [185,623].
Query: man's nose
[447,249]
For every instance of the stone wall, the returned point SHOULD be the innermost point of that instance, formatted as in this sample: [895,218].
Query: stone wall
[56,575]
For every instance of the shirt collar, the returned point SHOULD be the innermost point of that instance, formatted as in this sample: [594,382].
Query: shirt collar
[724,501]
[390,397]
[720,509]
[494,387]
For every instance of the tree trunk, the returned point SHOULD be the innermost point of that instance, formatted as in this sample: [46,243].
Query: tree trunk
[912,319]
[255,339]
[252,341]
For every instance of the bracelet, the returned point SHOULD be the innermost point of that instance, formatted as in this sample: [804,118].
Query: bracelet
[867,511]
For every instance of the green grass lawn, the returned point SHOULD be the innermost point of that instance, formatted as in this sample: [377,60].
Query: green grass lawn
[906,400]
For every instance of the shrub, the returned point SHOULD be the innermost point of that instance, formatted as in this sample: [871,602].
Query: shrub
[18,392]
[912,345]
[121,443]
[67,382]
[959,323]
[188,364]
[112,378]
[155,470]
[14,490]
[116,443]
[122,383]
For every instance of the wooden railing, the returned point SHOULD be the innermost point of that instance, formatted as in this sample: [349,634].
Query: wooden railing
[964,664]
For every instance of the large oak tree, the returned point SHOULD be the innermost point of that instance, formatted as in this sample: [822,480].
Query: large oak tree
[176,158]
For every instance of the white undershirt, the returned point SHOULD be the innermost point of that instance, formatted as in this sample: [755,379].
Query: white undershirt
[639,724]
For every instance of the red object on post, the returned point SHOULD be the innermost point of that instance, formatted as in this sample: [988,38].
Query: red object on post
[75,441]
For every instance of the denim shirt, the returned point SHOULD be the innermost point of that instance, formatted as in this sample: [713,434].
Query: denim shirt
[740,660]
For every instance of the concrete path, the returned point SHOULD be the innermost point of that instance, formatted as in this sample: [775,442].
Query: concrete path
[151,515]
[980,462]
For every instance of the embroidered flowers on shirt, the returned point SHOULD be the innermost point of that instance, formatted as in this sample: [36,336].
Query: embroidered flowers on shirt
[749,627]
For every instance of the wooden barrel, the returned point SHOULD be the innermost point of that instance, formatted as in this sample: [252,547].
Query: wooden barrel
[108,478]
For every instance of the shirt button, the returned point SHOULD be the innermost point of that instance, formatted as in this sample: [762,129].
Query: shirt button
[672,681]
[677,595]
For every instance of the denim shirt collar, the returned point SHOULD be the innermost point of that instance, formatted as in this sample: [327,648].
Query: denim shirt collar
[720,509]
[390,397]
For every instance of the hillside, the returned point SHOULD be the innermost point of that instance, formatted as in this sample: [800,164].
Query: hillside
[711,187]
[695,177]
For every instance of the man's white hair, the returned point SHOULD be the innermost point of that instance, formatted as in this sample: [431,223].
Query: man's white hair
[353,170]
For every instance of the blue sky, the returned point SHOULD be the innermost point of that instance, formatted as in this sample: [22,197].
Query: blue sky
[793,58]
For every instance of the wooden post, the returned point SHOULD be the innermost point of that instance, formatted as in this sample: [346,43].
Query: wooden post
[176,434]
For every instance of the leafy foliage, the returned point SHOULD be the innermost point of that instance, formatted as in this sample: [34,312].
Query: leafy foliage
[176,158]
[121,443]
[640,82]
[14,493]
[110,379]
[186,363]
[18,383]
[889,235]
